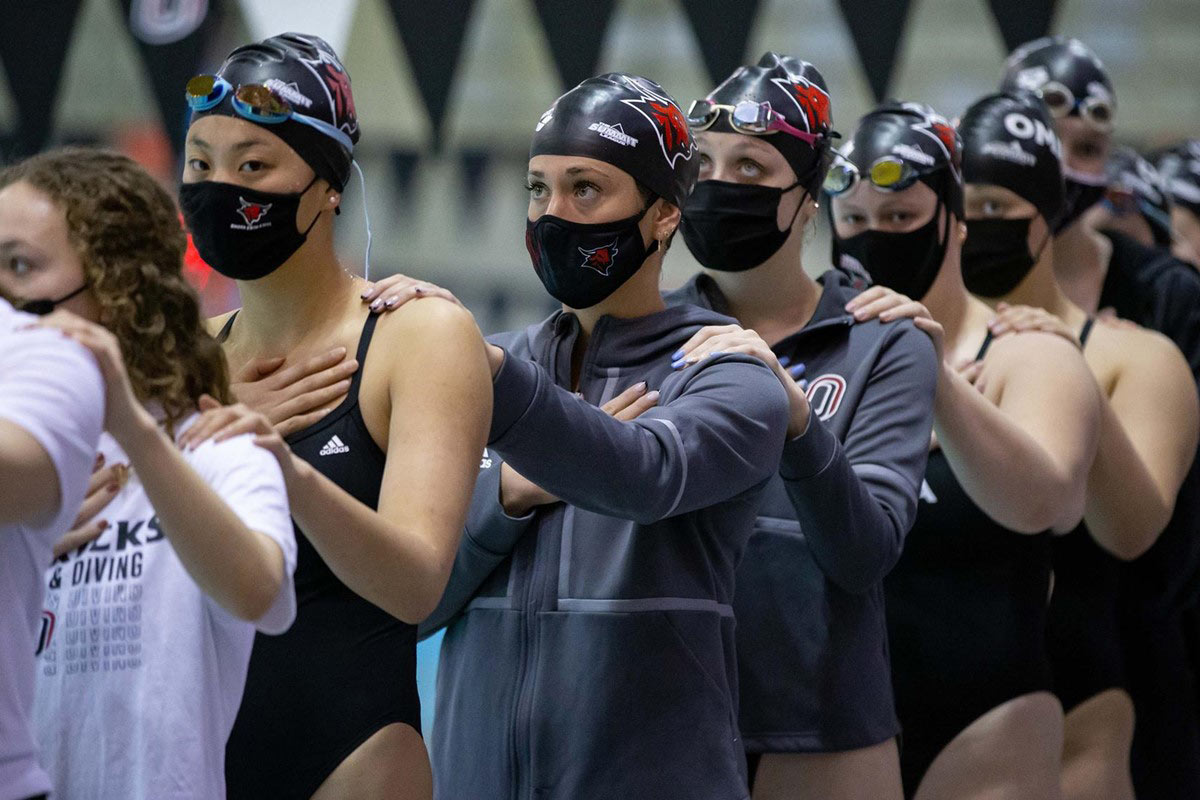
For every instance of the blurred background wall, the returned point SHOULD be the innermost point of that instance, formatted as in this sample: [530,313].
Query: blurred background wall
[448,92]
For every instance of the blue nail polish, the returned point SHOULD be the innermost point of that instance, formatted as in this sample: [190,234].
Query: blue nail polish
[678,363]
[796,371]
[783,362]
[678,354]
[804,386]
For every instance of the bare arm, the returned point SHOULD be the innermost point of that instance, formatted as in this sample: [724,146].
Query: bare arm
[1148,437]
[1022,452]
[440,389]
[241,569]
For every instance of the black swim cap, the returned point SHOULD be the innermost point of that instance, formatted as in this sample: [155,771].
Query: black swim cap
[1061,60]
[1008,140]
[917,136]
[797,91]
[306,72]
[1180,168]
[1130,173]
[629,122]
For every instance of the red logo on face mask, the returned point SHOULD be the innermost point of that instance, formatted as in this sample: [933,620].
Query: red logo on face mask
[599,258]
[252,212]
[815,105]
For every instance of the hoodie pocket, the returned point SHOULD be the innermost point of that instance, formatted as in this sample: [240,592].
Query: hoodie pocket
[635,705]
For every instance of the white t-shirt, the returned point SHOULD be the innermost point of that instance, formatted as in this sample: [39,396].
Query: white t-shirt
[52,388]
[140,674]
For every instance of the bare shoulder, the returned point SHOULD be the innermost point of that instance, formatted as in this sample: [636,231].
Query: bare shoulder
[1034,351]
[429,319]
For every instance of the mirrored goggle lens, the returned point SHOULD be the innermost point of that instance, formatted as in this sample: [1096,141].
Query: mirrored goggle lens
[202,89]
[262,100]
[751,117]
[1098,111]
[891,173]
[840,177]
[701,114]
[1058,99]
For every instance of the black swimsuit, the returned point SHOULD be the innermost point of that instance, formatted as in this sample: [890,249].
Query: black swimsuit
[346,668]
[1083,634]
[966,613]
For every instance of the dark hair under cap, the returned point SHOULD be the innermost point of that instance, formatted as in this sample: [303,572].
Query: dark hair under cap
[629,122]
[1063,60]
[917,135]
[306,72]
[1008,140]
[796,91]
[1180,168]
[1129,172]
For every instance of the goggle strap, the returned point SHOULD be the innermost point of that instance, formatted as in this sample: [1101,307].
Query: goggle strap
[362,183]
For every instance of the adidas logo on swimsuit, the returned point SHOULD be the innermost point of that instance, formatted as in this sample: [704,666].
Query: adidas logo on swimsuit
[334,446]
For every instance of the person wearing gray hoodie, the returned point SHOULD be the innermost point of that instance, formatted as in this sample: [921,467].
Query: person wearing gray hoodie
[589,650]
[817,716]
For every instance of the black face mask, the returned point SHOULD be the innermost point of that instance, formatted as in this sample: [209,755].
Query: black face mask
[582,264]
[733,227]
[242,233]
[1077,198]
[996,257]
[907,263]
[43,306]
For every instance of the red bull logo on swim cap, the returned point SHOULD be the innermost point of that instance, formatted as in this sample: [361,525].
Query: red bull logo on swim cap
[810,99]
[666,118]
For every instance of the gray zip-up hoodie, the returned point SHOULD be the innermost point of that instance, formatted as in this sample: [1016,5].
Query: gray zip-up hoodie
[596,660]
[812,636]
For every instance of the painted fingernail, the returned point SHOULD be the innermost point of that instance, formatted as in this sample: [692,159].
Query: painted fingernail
[418,290]
[103,524]
[640,386]
[678,363]
[804,386]
[796,371]
[678,354]
[112,488]
[376,305]
[783,362]
[653,396]
[367,292]
[391,301]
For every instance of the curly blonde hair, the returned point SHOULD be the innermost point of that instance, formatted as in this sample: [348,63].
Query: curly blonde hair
[129,236]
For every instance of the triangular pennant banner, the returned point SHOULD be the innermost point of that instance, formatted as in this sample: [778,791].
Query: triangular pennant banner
[33,49]
[172,38]
[575,32]
[432,32]
[1021,21]
[329,19]
[722,29]
[876,27]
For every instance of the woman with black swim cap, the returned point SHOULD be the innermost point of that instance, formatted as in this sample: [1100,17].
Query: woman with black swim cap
[590,644]
[1180,169]
[1147,441]
[817,716]
[1136,201]
[966,603]
[379,474]
[1102,269]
